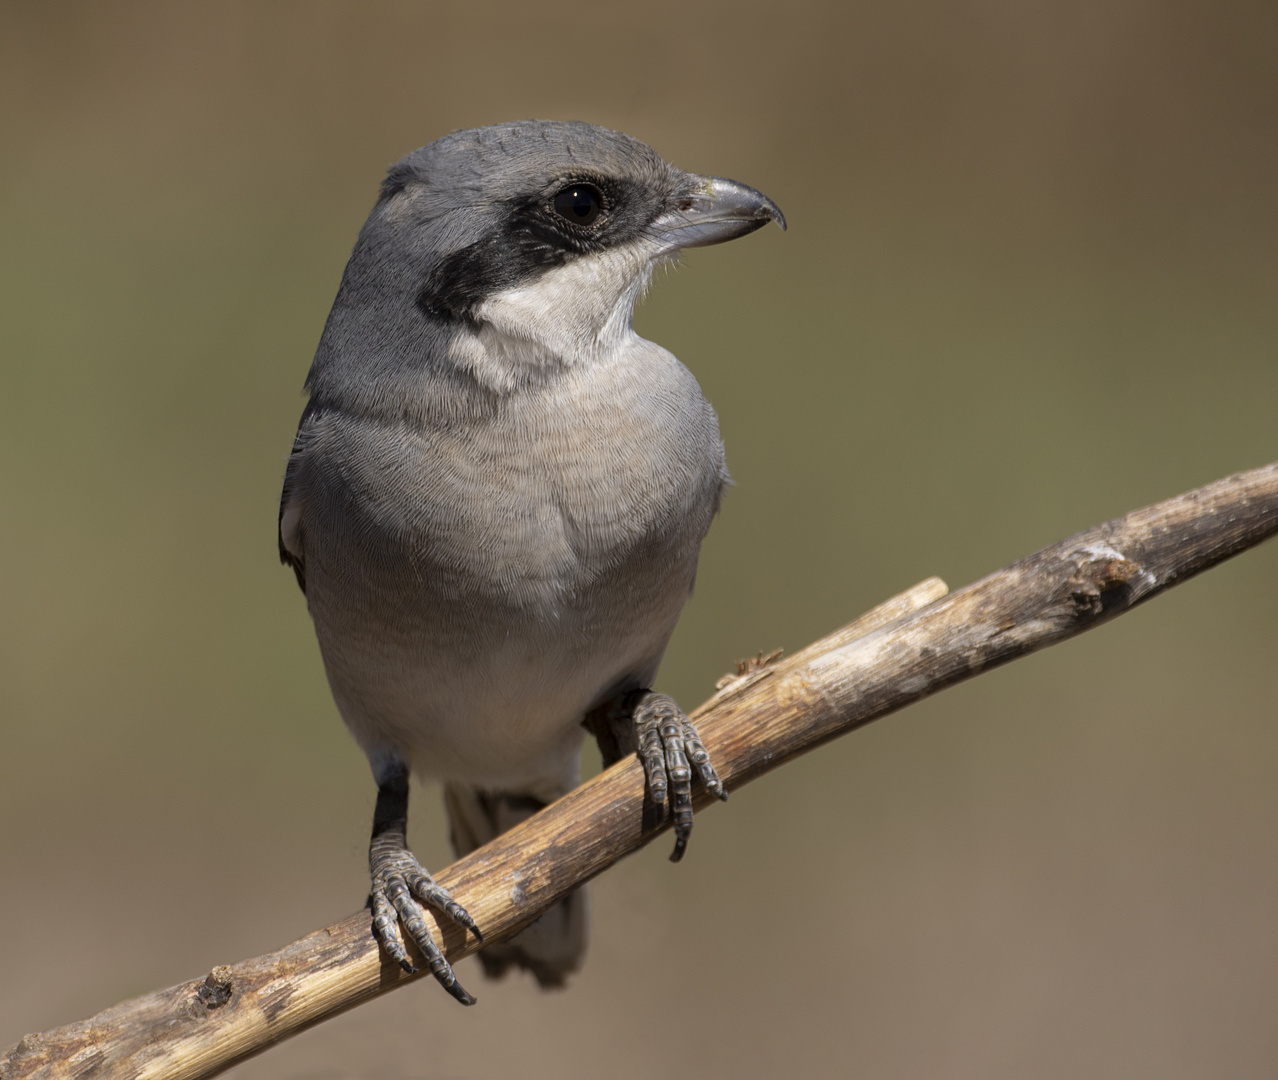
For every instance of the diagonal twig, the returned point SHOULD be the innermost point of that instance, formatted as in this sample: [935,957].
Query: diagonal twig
[911,646]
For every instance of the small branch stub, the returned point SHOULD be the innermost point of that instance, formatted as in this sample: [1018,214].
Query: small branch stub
[215,990]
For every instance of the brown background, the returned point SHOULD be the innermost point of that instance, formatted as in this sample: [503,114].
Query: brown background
[1029,284]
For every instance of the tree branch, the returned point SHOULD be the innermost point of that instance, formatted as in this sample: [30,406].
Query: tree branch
[911,646]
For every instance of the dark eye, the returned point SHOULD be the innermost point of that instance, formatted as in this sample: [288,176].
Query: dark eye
[579,203]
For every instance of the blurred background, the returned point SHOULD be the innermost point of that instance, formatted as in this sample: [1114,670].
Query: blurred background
[1029,285]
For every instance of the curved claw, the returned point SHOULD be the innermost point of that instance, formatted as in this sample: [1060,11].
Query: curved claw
[681,845]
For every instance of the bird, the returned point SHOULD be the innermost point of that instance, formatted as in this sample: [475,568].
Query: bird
[497,494]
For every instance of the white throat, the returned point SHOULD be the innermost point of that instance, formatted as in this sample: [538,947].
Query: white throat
[576,313]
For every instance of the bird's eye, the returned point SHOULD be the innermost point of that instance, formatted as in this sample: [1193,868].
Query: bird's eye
[579,203]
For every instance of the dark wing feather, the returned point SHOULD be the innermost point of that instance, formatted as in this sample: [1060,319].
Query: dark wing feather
[293,556]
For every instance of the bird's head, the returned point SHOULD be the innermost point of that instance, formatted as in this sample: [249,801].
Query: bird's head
[530,242]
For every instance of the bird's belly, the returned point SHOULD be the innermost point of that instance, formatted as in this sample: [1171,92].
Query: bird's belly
[474,651]
[490,684]
[513,575]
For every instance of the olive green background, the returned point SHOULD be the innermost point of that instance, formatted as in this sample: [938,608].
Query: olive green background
[1029,284]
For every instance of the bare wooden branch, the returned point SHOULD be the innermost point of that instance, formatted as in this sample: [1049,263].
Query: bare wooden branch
[914,645]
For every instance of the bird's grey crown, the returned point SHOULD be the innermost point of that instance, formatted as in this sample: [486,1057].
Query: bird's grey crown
[482,164]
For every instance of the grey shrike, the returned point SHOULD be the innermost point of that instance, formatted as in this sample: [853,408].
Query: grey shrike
[497,494]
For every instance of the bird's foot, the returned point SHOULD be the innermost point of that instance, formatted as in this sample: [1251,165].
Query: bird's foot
[670,750]
[400,885]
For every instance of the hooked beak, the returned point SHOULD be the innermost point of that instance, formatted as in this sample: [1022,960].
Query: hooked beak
[716,210]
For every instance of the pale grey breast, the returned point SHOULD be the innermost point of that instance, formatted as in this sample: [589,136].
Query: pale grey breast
[544,548]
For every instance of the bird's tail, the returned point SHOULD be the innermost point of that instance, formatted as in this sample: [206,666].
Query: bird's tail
[552,947]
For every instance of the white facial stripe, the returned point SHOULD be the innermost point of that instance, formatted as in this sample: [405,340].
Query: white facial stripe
[570,314]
